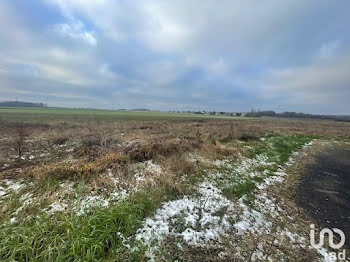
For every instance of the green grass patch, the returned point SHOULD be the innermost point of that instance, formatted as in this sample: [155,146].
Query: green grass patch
[278,150]
[240,189]
[90,237]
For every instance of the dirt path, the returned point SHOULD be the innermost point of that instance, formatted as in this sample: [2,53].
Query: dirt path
[325,191]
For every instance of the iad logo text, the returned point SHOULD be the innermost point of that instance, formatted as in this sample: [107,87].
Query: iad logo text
[341,254]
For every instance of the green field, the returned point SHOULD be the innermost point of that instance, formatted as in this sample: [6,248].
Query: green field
[43,115]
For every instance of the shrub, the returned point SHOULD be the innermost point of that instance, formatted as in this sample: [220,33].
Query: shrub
[145,151]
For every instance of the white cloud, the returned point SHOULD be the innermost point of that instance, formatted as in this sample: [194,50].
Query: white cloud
[318,83]
[219,67]
[105,71]
[49,71]
[196,26]
[76,30]
[162,72]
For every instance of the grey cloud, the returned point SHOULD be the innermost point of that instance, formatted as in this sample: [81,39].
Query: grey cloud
[227,55]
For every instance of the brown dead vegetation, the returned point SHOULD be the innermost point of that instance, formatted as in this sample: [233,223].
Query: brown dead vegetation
[145,150]
[89,148]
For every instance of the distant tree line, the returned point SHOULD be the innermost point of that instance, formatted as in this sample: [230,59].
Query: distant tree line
[22,104]
[296,115]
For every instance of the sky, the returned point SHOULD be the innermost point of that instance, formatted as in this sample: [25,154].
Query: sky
[290,55]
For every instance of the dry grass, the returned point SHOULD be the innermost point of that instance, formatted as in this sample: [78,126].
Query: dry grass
[145,150]
[70,169]
[138,140]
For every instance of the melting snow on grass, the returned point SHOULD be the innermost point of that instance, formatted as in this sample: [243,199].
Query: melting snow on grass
[2,191]
[197,220]
[14,186]
[208,217]
[10,186]
[201,220]
[56,207]
[143,173]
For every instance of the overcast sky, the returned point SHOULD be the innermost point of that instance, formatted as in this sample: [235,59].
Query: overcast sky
[178,54]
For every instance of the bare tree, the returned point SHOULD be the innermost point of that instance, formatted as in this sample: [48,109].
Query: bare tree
[20,135]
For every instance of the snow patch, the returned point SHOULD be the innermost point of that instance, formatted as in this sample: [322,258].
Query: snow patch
[89,202]
[56,207]
[26,200]
[14,186]
[197,220]
[207,217]
[3,192]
